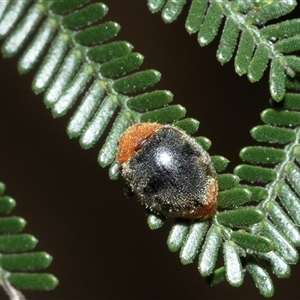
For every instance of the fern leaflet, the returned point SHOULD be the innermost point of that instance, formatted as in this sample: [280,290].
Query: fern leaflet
[17,264]
[243,35]
[78,61]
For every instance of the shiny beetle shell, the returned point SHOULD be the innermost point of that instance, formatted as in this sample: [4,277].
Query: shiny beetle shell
[170,173]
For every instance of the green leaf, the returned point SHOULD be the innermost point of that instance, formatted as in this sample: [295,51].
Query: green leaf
[205,143]
[172,9]
[196,15]
[282,30]
[25,261]
[97,34]
[257,193]
[244,52]
[227,181]
[233,197]
[193,241]
[85,112]
[281,245]
[292,83]
[252,241]
[218,276]
[114,171]
[155,222]
[290,201]
[243,216]
[94,130]
[156,5]
[228,41]
[11,224]
[164,115]
[279,267]
[271,134]
[258,63]
[293,174]
[150,101]
[177,235]
[18,37]
[210,249]
[122,65]
[284,223]
[233,266]
[3,6]
[62,7]
[85,16]
[33,281]
[262,155]
[254,173]
[10,262]
[246,17]
[211,24]
[219,162]
[72,91]
[288,45]
[6,204]
[272,10]
[294,63]
[291,101]
[244,6]
[261,278]
[18,242]
[277,79]
[281,117]
[11,16]
[37,46]
[64,76]
[50,64]
[108,152]
[137,81]
[109,51]
[188,125]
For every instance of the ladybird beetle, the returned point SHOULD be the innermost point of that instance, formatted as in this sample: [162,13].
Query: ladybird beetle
[170,173]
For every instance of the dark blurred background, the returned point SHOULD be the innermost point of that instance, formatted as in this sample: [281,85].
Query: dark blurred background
[101,244]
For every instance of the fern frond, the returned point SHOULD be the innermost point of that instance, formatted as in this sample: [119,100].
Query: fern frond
[229,232]
[281,175]
[80,63]
[254,46]
[84,67]
[18,265]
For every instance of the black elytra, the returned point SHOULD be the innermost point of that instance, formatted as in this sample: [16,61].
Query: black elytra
[172,175]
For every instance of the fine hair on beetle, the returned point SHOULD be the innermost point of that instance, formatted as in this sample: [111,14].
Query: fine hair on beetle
[168,171]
